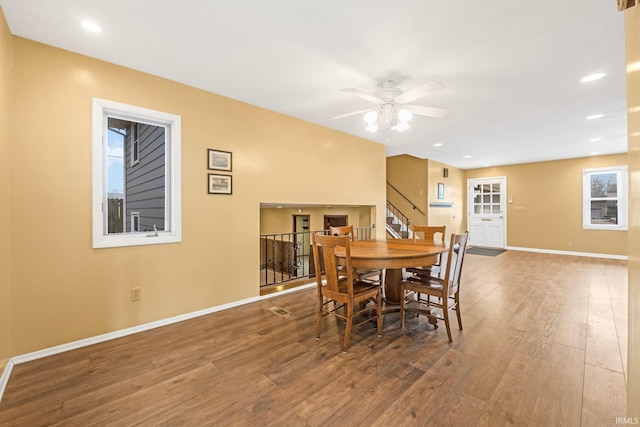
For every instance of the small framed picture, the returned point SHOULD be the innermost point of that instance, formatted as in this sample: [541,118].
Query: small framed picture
[219,184]
[440,191]
[219,160]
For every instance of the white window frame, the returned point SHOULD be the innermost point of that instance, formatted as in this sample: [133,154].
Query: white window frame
[173,197]
[622,198]
[135,145]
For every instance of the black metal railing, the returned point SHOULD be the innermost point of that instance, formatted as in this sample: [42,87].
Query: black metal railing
[397,222]
[406,198]
[287,256]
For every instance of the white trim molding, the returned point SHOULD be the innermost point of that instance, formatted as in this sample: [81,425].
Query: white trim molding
[583,254]
[4,379]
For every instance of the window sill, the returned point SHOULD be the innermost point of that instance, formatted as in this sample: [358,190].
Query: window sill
[140,239]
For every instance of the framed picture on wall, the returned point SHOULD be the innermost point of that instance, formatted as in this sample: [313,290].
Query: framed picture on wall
[219,160]
[440,191]
[219,184]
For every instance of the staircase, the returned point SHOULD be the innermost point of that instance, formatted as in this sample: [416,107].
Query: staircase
[397,223]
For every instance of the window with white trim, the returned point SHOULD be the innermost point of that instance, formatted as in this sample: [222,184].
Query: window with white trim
[604,197]
[138,205]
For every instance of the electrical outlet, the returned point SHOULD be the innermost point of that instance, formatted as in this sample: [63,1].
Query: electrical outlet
[569,243]
[136,294]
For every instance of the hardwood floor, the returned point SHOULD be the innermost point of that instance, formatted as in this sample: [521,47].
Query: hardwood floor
[544,344]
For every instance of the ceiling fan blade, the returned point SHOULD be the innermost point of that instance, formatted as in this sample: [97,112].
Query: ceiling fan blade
[419,92]
[428,111]
[364,95]
[353,113]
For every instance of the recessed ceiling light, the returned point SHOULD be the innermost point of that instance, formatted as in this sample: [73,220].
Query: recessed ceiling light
[592,77]
[91,26]
[438,144]
[595,153]
[595,139]
[487,165]
[467,156]
[595,116]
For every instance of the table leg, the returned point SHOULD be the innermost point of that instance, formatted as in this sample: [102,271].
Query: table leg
[392,280]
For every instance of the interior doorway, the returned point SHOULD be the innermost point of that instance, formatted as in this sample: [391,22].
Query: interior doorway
[335,221]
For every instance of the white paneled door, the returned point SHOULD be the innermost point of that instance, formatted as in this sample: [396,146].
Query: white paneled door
[487,211]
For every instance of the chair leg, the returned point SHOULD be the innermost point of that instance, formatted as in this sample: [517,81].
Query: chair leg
[445,315]
[319,321]
[347,330]
[402,296]
[457,299]
[379,313]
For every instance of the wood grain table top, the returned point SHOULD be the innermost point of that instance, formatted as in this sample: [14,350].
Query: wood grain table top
[393,253]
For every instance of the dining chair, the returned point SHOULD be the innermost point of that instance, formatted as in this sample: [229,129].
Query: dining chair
[447,289]
[428,232]
[363,274]
[341,287]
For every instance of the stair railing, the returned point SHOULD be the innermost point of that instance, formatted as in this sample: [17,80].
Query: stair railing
[287,256]
[406,198]
[398,225]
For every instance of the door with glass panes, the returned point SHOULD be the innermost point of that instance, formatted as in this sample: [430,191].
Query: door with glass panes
[487,213]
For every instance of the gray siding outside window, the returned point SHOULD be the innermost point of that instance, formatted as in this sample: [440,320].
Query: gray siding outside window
[145,181]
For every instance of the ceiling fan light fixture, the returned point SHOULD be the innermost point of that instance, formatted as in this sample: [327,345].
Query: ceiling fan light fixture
[401,126]
[371,117]
[404,115]
[393,110]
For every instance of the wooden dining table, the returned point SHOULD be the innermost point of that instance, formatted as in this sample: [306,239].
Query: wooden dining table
[393,255]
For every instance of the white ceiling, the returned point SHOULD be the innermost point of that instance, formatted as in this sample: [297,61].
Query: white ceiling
[511,69]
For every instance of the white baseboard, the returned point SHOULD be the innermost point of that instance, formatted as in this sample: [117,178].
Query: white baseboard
[583,254]
[129,331]
[4,379]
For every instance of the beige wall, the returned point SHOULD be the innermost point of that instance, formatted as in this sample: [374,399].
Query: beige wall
[633,100]
[62,289]
[5,194]
[275,221]
[410,176]
[551,195]
[418,180]
[454,189]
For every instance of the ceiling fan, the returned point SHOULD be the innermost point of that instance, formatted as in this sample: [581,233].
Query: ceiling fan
[393,110]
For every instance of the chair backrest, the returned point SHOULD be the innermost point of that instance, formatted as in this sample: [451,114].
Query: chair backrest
[455,258]
[429,232]
[345,230]
[328,244]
